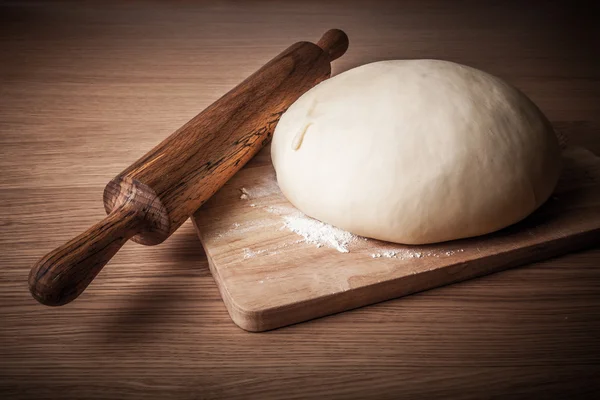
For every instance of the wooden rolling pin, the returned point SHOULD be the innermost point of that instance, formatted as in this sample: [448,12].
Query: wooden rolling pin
[149,200]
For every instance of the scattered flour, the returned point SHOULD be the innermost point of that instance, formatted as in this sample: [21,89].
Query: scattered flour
[403,254]
[265,186]
[318,233]
[249,253]
[452,252]
[282,210]
[407,254]
[246,227]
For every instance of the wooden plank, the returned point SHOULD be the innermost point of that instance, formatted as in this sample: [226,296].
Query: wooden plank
[269,276]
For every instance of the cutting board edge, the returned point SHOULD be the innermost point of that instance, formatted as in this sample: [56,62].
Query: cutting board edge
[260,320]
[237,314]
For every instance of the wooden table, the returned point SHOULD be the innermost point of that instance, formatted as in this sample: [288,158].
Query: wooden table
[85,89]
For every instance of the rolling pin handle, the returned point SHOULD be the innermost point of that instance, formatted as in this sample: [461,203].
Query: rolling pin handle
[334,42]
[63,274]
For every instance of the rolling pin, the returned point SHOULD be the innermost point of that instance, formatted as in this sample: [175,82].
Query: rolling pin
[149,200]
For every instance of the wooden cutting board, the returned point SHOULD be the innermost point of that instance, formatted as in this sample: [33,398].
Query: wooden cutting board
[270,276]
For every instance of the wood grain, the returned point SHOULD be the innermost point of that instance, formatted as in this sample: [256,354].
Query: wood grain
[62,275]
[88,88]
[152,197]
[270,277]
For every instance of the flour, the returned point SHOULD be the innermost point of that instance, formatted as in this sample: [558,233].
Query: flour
[403,254]
[312,231]
[453,252]
[249,253]
[318,233]
[246,227]
[282,210]
[264,186]
[407,253]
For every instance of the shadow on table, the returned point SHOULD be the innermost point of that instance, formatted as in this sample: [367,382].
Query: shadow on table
[174,288]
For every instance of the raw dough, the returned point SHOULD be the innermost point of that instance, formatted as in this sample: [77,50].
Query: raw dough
[415,152]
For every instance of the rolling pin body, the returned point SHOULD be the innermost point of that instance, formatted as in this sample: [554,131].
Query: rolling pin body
[149,200]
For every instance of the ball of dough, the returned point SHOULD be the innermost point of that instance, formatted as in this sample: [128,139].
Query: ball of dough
[415,152]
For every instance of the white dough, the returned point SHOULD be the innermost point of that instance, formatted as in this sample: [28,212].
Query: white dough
[415,152]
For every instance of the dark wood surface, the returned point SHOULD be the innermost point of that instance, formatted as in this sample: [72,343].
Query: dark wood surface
[86,89]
